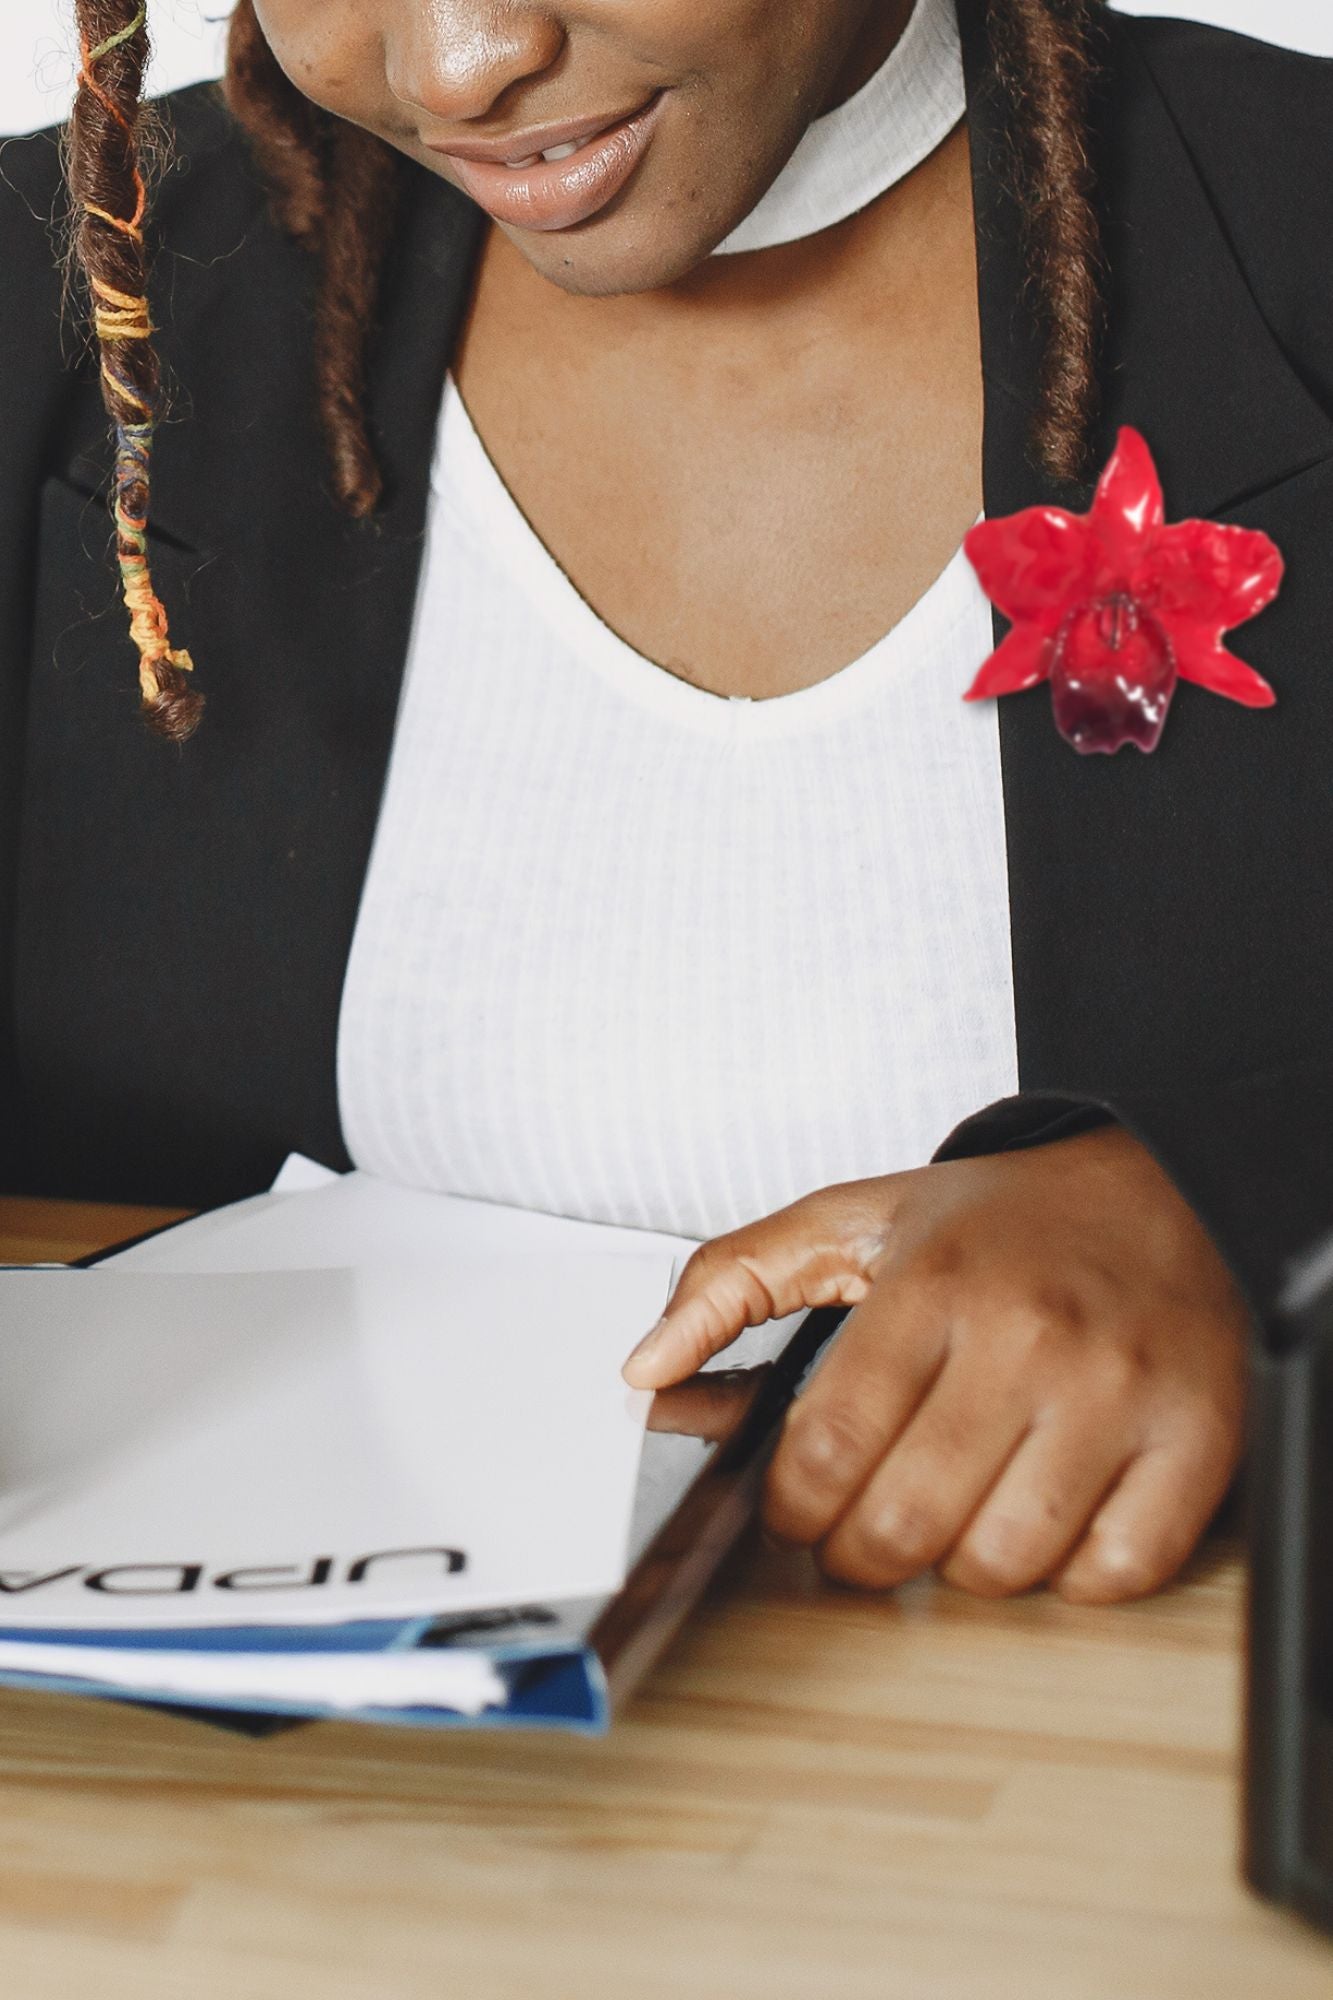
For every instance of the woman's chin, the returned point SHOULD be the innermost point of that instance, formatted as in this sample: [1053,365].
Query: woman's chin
[616,255]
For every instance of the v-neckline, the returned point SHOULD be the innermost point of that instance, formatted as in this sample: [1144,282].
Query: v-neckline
[466,480]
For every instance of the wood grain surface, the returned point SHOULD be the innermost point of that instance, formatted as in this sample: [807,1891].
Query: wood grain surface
[816,1796]
[59,1232]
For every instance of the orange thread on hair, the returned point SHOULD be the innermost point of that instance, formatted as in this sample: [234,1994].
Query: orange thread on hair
[120,315]
[148,619]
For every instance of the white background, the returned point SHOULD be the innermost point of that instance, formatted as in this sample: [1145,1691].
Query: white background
[37,40]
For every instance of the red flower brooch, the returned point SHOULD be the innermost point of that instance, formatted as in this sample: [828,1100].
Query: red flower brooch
[1114,606]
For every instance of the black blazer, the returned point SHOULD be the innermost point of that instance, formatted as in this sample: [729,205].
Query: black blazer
[174,925]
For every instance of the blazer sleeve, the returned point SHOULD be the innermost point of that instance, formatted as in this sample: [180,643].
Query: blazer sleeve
[1253,1155]
[1253,1152]
[39,340]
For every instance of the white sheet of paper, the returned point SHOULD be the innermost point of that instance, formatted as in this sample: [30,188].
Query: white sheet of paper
[280,1419]
[356,1219]
[315,1220]
[465,1682]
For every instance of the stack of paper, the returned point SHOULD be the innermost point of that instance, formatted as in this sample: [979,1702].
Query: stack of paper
[345,1449]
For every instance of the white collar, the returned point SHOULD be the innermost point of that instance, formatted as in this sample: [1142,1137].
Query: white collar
[853,154]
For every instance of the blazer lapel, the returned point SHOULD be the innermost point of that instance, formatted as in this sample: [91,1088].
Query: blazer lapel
[1109,856]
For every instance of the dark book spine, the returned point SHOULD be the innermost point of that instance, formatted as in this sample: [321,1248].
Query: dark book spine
[1278,1488]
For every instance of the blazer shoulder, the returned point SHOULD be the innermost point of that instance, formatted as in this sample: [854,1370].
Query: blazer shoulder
[202,182]
[1257,122]
[194,129]
[1265,109]
[32,221]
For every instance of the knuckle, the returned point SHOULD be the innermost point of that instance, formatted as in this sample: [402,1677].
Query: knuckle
[726,1278]
[936,1267]
[1022,1339]
[1139,1367]
[698,1275]
[904,1534]
[704,1263]
[786,1521]
[827,1446]
[1118,1373]
[1059,1311]
[996,1559]
[841,1565]
[983,1574]
[1046,1340]
[1114,1569]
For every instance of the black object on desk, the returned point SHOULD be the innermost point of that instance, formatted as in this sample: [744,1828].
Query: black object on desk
[1289,1695]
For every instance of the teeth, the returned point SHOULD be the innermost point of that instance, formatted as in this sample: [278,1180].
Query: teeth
[553,153]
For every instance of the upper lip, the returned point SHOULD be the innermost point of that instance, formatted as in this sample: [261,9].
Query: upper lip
[533,139]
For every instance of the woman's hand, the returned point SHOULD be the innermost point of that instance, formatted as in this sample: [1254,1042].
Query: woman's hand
[1043,1378]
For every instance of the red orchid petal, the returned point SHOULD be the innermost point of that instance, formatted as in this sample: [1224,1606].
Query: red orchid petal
[1018,662]
[1203,659]
[1112,679]
[1030,563]
[1128,504]
[1210,572]
[1113,606]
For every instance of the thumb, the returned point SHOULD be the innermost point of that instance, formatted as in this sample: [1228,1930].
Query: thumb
[821,1251]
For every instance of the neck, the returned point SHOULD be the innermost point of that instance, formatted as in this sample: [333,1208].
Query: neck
[784,285]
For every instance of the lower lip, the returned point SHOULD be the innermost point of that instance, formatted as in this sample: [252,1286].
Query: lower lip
[557,194]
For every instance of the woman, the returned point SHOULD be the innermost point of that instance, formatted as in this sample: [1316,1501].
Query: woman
[698,898]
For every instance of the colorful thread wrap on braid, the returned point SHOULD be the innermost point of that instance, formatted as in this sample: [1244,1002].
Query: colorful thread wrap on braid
[119,316]
[148,618]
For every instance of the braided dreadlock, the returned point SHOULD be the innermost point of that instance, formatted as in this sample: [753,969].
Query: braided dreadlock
[333,188]
[107,148]
[1046,55]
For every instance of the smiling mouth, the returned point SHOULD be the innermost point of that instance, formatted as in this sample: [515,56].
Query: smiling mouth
[559,185]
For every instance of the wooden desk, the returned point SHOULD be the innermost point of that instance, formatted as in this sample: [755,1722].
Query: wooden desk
[817,1796]
[59,1232]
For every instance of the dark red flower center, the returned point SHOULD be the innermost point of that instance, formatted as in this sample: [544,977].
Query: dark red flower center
[1112,676]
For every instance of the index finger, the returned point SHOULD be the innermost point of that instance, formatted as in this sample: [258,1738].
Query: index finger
[820,1251]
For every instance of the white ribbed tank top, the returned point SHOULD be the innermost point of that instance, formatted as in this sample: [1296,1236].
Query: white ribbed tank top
[638,953]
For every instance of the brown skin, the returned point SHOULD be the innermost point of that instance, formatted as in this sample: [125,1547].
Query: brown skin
[752,467]
[743,80]
[641,402]
[1043,1379]
[687,455]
